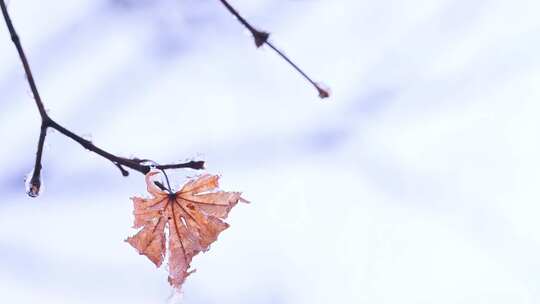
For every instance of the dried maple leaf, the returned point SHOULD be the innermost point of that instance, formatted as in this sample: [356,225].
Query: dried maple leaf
[193,217]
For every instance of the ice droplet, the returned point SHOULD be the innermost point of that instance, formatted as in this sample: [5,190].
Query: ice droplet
[150,163]
[33,190]
[33,186]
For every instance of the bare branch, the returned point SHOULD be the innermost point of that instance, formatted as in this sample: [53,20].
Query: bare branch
[142,166]
[35,181]
[48,122]
[261,37]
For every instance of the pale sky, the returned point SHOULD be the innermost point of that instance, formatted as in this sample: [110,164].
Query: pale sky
[416,182]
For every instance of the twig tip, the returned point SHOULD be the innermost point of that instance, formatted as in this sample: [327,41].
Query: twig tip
[33,188]
[324,91]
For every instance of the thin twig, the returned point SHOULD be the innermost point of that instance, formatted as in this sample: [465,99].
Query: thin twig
[28,72]
[261,37]
[48,122]
[35,180]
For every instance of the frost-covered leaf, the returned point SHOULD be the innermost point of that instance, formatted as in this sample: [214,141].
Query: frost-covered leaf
[193,216]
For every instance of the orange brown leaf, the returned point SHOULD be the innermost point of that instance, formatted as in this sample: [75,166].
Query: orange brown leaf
[194,219]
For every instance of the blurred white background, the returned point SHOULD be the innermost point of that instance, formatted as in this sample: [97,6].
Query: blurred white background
[417,182]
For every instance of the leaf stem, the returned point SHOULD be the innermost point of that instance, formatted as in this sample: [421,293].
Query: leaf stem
[168,183]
